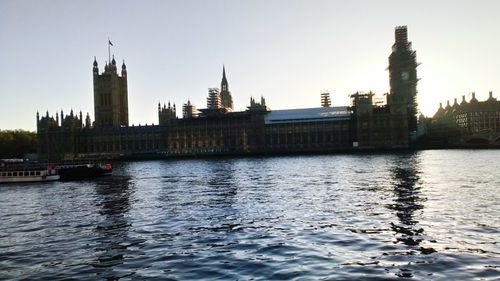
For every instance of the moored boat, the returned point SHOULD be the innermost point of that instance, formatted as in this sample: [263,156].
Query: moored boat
[28,173]
[85,170]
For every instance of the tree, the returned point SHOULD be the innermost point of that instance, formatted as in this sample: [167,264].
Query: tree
[17,143]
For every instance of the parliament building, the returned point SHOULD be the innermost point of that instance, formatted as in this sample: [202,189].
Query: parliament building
[219,130]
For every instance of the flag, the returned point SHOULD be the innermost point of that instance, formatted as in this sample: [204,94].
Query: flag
[109,42]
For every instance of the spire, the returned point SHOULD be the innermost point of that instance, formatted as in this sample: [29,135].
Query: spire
[473,97]
[95,69]
[225,94]
[124,69]
[87,121]
[113,62]
[223,83]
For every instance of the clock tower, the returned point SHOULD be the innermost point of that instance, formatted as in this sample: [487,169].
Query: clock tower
[403,78]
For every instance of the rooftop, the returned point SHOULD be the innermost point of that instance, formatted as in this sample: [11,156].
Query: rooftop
[337,113]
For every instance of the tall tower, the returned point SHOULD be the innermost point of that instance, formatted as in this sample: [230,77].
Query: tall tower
[110,95]
[403,77]
[225,94]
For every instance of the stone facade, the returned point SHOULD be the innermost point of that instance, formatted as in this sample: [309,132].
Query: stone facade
[217,130]
[110,96]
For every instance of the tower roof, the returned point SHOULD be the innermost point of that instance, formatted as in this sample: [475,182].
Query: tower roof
[401,35]
[224,79]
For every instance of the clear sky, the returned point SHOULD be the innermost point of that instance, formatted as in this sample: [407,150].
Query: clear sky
[287,51]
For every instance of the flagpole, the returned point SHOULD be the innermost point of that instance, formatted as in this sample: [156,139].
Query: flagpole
[109,52]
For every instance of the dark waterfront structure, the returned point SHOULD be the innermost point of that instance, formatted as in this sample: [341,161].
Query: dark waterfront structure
[217,129]
[473,123]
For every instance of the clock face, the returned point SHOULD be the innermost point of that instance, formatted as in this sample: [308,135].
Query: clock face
[405,75]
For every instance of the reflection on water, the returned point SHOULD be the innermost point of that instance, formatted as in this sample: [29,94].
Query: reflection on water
[408,205]
[408,199]
[221,184]
[112,203]
[421,215]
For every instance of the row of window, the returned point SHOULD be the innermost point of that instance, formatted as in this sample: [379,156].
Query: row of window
[219,143]
[307,139]
[20,174]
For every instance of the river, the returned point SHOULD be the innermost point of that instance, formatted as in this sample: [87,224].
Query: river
[424,215]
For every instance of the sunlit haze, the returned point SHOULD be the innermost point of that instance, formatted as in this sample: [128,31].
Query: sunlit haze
[287,51]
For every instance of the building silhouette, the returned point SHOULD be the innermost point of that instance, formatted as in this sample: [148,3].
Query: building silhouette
[166,113]
[110,95]
[225,94]
[467,123]
[403,77]
[218,129]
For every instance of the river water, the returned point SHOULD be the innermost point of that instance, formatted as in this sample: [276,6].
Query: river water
[423,215]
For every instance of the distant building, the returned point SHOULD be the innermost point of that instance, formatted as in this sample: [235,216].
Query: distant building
[467,123]
[217,129]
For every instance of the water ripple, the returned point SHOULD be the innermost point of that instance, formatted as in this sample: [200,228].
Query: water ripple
[423,215]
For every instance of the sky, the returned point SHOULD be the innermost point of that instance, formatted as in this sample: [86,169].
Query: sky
[287,51]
